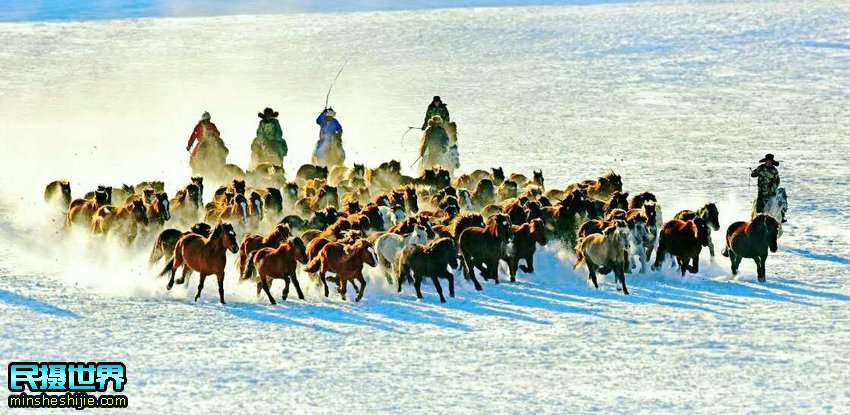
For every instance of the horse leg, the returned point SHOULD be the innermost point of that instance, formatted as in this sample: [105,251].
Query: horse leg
[622,277]
[171,279]
[528,267]
[324,283]
[342,286]
[220,278]
[285,293]
[513,263]
[467,266]
[760,269]
[735,260]
[493,270]
[265,283]
[184,276]
[200,286]
[451,277]
[362,289]
[417,283]
[592,271]
[710,246]
[259,288]
[659,258]
[298,291]
[695,266]
[439,288]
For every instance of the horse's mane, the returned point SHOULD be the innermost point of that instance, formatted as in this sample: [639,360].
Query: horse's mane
[610,175]
[278,233]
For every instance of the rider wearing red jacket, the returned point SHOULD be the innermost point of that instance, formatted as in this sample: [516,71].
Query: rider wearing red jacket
[203,129]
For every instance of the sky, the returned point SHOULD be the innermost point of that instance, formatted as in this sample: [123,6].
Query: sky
[38,10]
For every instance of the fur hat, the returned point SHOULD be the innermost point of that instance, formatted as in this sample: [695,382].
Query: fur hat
[436,98]
[330,112]
[205,116]
[767,157]
[268,113]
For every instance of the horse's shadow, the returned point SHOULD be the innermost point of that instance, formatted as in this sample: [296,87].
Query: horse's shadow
[14,299]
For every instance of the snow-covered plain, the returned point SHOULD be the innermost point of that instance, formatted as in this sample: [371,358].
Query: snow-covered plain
[678,97]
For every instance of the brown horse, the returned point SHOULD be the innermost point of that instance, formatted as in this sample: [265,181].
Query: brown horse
[186,204]
[684,240]
[752,240]
[346,261]
[708,212]
[482,248]
[277,263]
[252,242]
[416,262]
[526,238]
[122,221]
[207,256]
[600,188]
[237,209]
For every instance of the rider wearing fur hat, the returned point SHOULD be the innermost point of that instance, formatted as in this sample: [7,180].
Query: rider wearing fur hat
[436,107]
[768,180]
[269,145]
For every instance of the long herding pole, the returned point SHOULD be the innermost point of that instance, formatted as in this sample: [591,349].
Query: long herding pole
[327,97]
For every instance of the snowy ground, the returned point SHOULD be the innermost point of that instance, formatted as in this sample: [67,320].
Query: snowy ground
[678,97]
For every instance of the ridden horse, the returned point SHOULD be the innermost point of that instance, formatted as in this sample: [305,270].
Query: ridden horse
[526,238]
[752,240]
[388,245]
[58,194]
[123,221]
[159,209]
[482,248]
[684,240]
[605,250]
[277,263]
[346,261]
[417,261]
[776,206]
[709,214]
[207,256]
[252,242]
[165,242]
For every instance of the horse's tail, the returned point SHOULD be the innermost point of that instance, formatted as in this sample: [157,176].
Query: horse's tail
[156,252]
[579,258]
[250,267]
[168,268]
[313,265]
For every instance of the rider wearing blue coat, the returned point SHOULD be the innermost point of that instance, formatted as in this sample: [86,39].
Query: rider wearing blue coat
[330,135]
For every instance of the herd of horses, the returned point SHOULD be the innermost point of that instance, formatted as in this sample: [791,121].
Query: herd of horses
[333,222]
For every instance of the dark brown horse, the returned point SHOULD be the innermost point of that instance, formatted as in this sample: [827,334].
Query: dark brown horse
[416,262]
[752,240]
[58,194]
[482,248]
[207,256]
[684,240]
[277,263]
[346,261]
[252,242]
[186,203]
[526,238]
[708,212]
[159,209]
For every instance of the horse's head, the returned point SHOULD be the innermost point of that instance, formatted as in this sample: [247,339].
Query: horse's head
[638,231]
[538,231]
[193,193]
[382,200]
[299,250]
[425,221]
[202,229]
[257,204]
[397,197]
[238,186]
[498,174]
[411,199]
[534,210]
[140,213]
[398,212]
[366,252]
[322,171]
[228,235]
[701,230]
[611,181]
[444,249]
[712,216]
[165,205]
[616,214]
[538,178]
[241,204]
[353,206]
[292,190]
[768,228]
[502,223]
[394,166]
[650,211]
[331,215]
[420,234]
[359,170]
[101,197]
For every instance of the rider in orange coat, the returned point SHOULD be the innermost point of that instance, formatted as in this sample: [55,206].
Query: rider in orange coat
[203,129]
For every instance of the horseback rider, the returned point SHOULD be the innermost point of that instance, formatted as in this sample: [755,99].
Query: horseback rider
[434,147]
[329,151]
[768,181]
[203,129]
[269,145]
[436,107]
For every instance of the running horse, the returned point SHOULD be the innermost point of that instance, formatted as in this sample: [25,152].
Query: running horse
[207,256]
[346,261]
[277,263]
[752,240]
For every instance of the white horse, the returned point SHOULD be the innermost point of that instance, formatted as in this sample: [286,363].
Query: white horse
[638,240]
[389,245]
[391,215]
[775,206]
